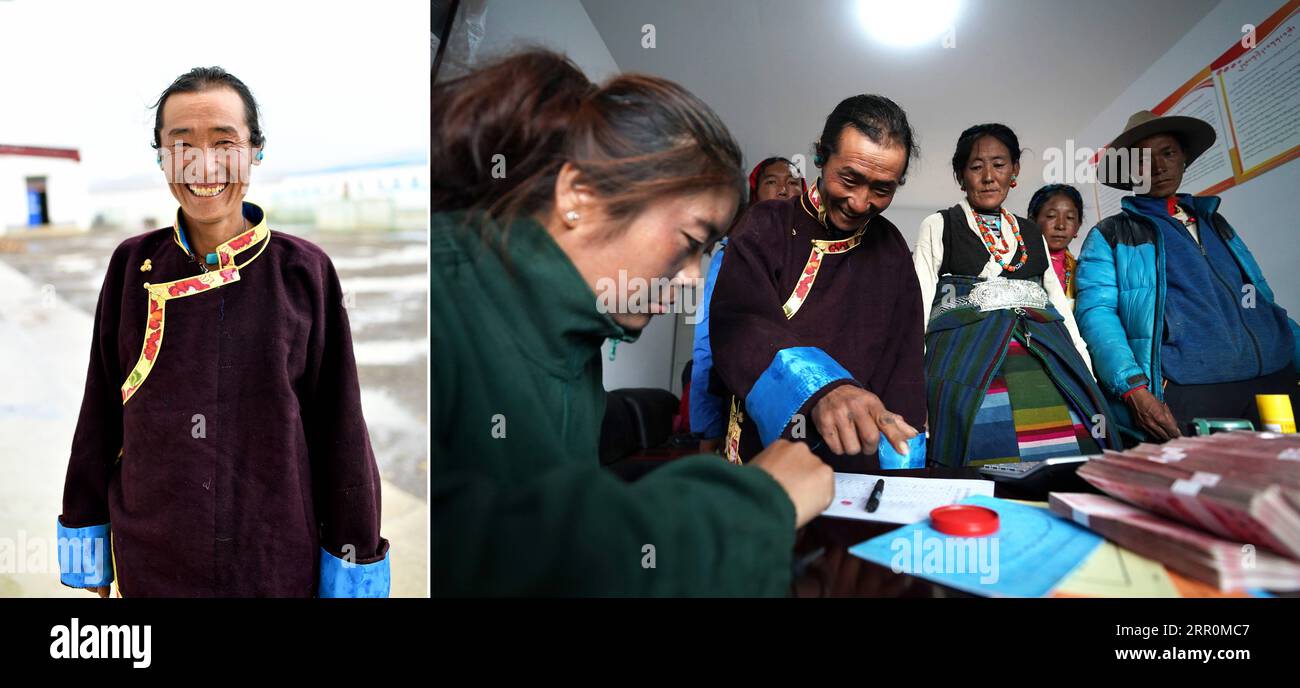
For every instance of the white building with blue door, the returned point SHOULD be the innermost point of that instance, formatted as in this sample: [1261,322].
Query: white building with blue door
[42,187]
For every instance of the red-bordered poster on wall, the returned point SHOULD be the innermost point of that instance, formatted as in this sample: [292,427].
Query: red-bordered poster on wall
[1250,95]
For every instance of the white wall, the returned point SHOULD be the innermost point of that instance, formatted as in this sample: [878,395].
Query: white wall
[564,26]
[561,25]
[65,188]
[1261,209]
[908,219]
[139,208]
[646,363]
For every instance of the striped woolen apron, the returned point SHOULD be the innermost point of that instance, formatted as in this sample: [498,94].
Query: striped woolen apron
[1005,385]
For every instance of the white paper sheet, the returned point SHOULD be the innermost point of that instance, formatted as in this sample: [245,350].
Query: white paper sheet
[904,500]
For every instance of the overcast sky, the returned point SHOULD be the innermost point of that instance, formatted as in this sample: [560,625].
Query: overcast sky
[338,82]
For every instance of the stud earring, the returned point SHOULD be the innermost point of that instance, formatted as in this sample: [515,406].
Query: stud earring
[572,216]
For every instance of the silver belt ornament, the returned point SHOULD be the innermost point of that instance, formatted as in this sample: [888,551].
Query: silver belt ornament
[995,294]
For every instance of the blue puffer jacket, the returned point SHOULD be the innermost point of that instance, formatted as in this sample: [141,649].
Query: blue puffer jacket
[1120,304]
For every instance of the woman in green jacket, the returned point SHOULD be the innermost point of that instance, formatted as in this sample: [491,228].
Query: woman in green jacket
[559,207]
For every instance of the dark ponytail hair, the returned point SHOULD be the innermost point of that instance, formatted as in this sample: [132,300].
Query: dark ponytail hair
[1046,193]
[520,109]
[203,79]
[634,139]
[966,143]
[878,118]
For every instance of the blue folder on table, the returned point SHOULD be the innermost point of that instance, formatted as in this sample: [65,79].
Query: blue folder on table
[1032,551]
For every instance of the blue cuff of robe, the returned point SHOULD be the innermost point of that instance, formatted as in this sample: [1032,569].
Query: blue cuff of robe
[85,556]
[794,375]
[340,578]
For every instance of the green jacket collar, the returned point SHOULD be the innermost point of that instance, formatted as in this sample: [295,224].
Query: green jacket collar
[532,282]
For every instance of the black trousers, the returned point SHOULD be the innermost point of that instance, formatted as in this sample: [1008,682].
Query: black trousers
[1230,399]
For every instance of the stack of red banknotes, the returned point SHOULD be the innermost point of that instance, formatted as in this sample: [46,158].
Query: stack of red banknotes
[1223,509]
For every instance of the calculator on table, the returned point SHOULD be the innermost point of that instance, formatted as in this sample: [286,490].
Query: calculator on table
[1025,472]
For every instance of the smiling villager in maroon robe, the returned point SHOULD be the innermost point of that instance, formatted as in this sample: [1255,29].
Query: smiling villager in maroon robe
[221,449]
[800,308]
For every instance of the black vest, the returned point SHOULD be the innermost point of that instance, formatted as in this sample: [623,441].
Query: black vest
[964,252]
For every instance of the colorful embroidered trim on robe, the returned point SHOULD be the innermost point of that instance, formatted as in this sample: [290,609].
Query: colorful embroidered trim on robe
[810,269]
[820,247]
[159,294]
[733,433]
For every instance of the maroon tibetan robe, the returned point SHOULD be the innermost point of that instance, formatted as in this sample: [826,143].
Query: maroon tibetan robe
[857,321]
[220,439]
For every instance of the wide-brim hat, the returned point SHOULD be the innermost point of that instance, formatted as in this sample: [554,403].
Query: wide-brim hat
[1196,135]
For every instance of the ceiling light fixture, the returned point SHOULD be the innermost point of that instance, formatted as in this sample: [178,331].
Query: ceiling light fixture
[905,23]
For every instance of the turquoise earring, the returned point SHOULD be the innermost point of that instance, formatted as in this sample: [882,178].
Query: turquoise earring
[259,156]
